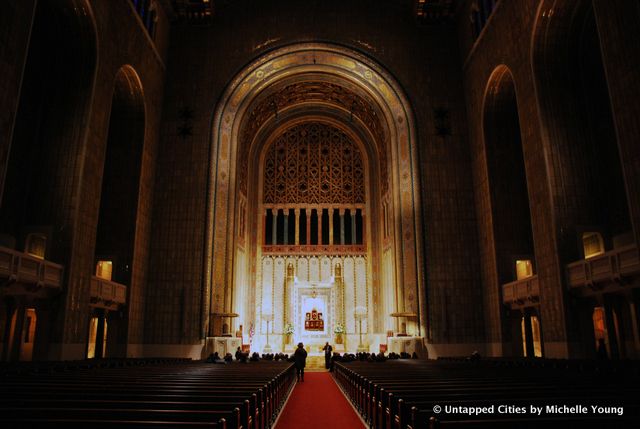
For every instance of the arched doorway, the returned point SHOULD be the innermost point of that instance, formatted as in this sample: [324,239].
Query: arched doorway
[510,213]
[49,129]
[118,213]
[591,210]
[345,94]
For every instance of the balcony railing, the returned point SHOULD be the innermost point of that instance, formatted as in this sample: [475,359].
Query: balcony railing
[610,267]
[30,271]
[521,293]
[107,294]
[312,249]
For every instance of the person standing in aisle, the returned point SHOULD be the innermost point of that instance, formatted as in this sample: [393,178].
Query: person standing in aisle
[300,357]
[327,355]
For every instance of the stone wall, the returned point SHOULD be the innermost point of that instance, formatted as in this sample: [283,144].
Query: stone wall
[70,198]
[517,36]
[203,62]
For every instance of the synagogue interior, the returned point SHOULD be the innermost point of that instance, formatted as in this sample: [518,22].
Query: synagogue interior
[448,186]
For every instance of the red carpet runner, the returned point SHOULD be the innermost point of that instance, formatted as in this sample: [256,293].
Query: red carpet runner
[318,404]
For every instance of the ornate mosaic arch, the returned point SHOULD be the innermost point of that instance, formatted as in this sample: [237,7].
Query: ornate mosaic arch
[365,91]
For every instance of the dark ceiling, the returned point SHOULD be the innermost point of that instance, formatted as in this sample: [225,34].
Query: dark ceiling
[201,12]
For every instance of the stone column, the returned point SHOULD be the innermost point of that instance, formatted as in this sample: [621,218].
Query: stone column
[528,332]
[16,340]
[274,229]
[341,213]
[353,226]
[633,313]
[10,307]
[297,221]
[43,326]
[285,213]
[331,226]
[614,347]
[264,226]
[364,228]
[307,213]
[319,226]
[100,334]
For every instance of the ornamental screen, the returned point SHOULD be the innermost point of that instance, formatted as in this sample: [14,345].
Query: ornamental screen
[313,163]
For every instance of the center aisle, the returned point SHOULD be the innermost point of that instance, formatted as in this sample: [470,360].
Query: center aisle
[318,404]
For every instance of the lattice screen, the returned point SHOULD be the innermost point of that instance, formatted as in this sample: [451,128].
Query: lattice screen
[314,163]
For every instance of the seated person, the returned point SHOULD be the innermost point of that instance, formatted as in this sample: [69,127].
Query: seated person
[214,358]
[475,355]
[380,357]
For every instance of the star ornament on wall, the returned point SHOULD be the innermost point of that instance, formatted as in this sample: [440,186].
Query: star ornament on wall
[442,122]
[185,130]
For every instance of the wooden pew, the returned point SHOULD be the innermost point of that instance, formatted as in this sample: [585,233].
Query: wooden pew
[238,396]
[400,395]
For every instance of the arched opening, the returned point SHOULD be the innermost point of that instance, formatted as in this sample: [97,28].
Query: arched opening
[586,178]
[119,206]
[49,130]
[322,86]
[309,164]
[510,212]
[49,123]
[576,113]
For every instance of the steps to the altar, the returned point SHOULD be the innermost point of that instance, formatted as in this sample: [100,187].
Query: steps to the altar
[315,363]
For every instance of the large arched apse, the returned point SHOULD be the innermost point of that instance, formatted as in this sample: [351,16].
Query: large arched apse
[314,191]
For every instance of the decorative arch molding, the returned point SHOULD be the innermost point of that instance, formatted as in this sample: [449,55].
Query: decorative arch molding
[128,78]
[369,81]
[315,91]
[506,221]
[118,237]
[499,77]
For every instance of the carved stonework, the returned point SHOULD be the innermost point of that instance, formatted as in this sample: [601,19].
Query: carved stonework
[313,163]
[369,97]
[301,92]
